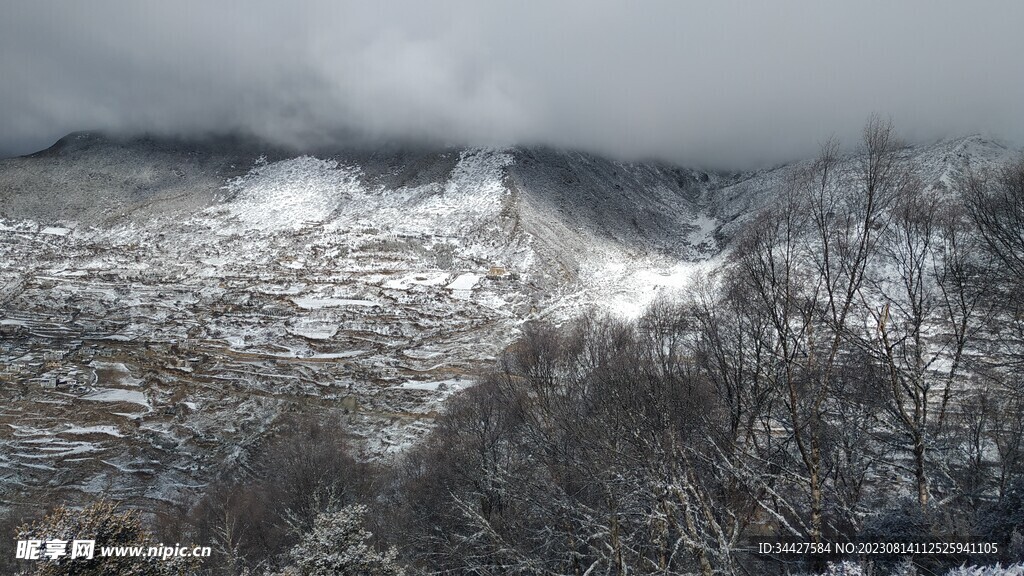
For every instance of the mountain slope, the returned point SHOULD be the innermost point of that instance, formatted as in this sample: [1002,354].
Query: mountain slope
[163,302]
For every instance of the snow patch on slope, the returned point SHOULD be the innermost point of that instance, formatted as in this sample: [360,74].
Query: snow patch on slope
[290,193]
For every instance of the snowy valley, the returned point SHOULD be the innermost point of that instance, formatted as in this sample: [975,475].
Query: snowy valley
[163,303]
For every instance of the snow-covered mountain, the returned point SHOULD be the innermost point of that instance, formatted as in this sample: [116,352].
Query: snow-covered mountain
[162,302]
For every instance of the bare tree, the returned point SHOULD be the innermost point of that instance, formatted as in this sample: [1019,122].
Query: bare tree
[996,204]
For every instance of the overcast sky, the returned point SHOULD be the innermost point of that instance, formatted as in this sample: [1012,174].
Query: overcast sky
[721,83]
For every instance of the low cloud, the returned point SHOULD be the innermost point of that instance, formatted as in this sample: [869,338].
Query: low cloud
[727,84]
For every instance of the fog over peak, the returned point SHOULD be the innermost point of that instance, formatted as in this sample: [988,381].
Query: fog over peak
[726,84]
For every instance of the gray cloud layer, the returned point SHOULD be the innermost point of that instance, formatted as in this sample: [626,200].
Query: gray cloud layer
[724,83]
